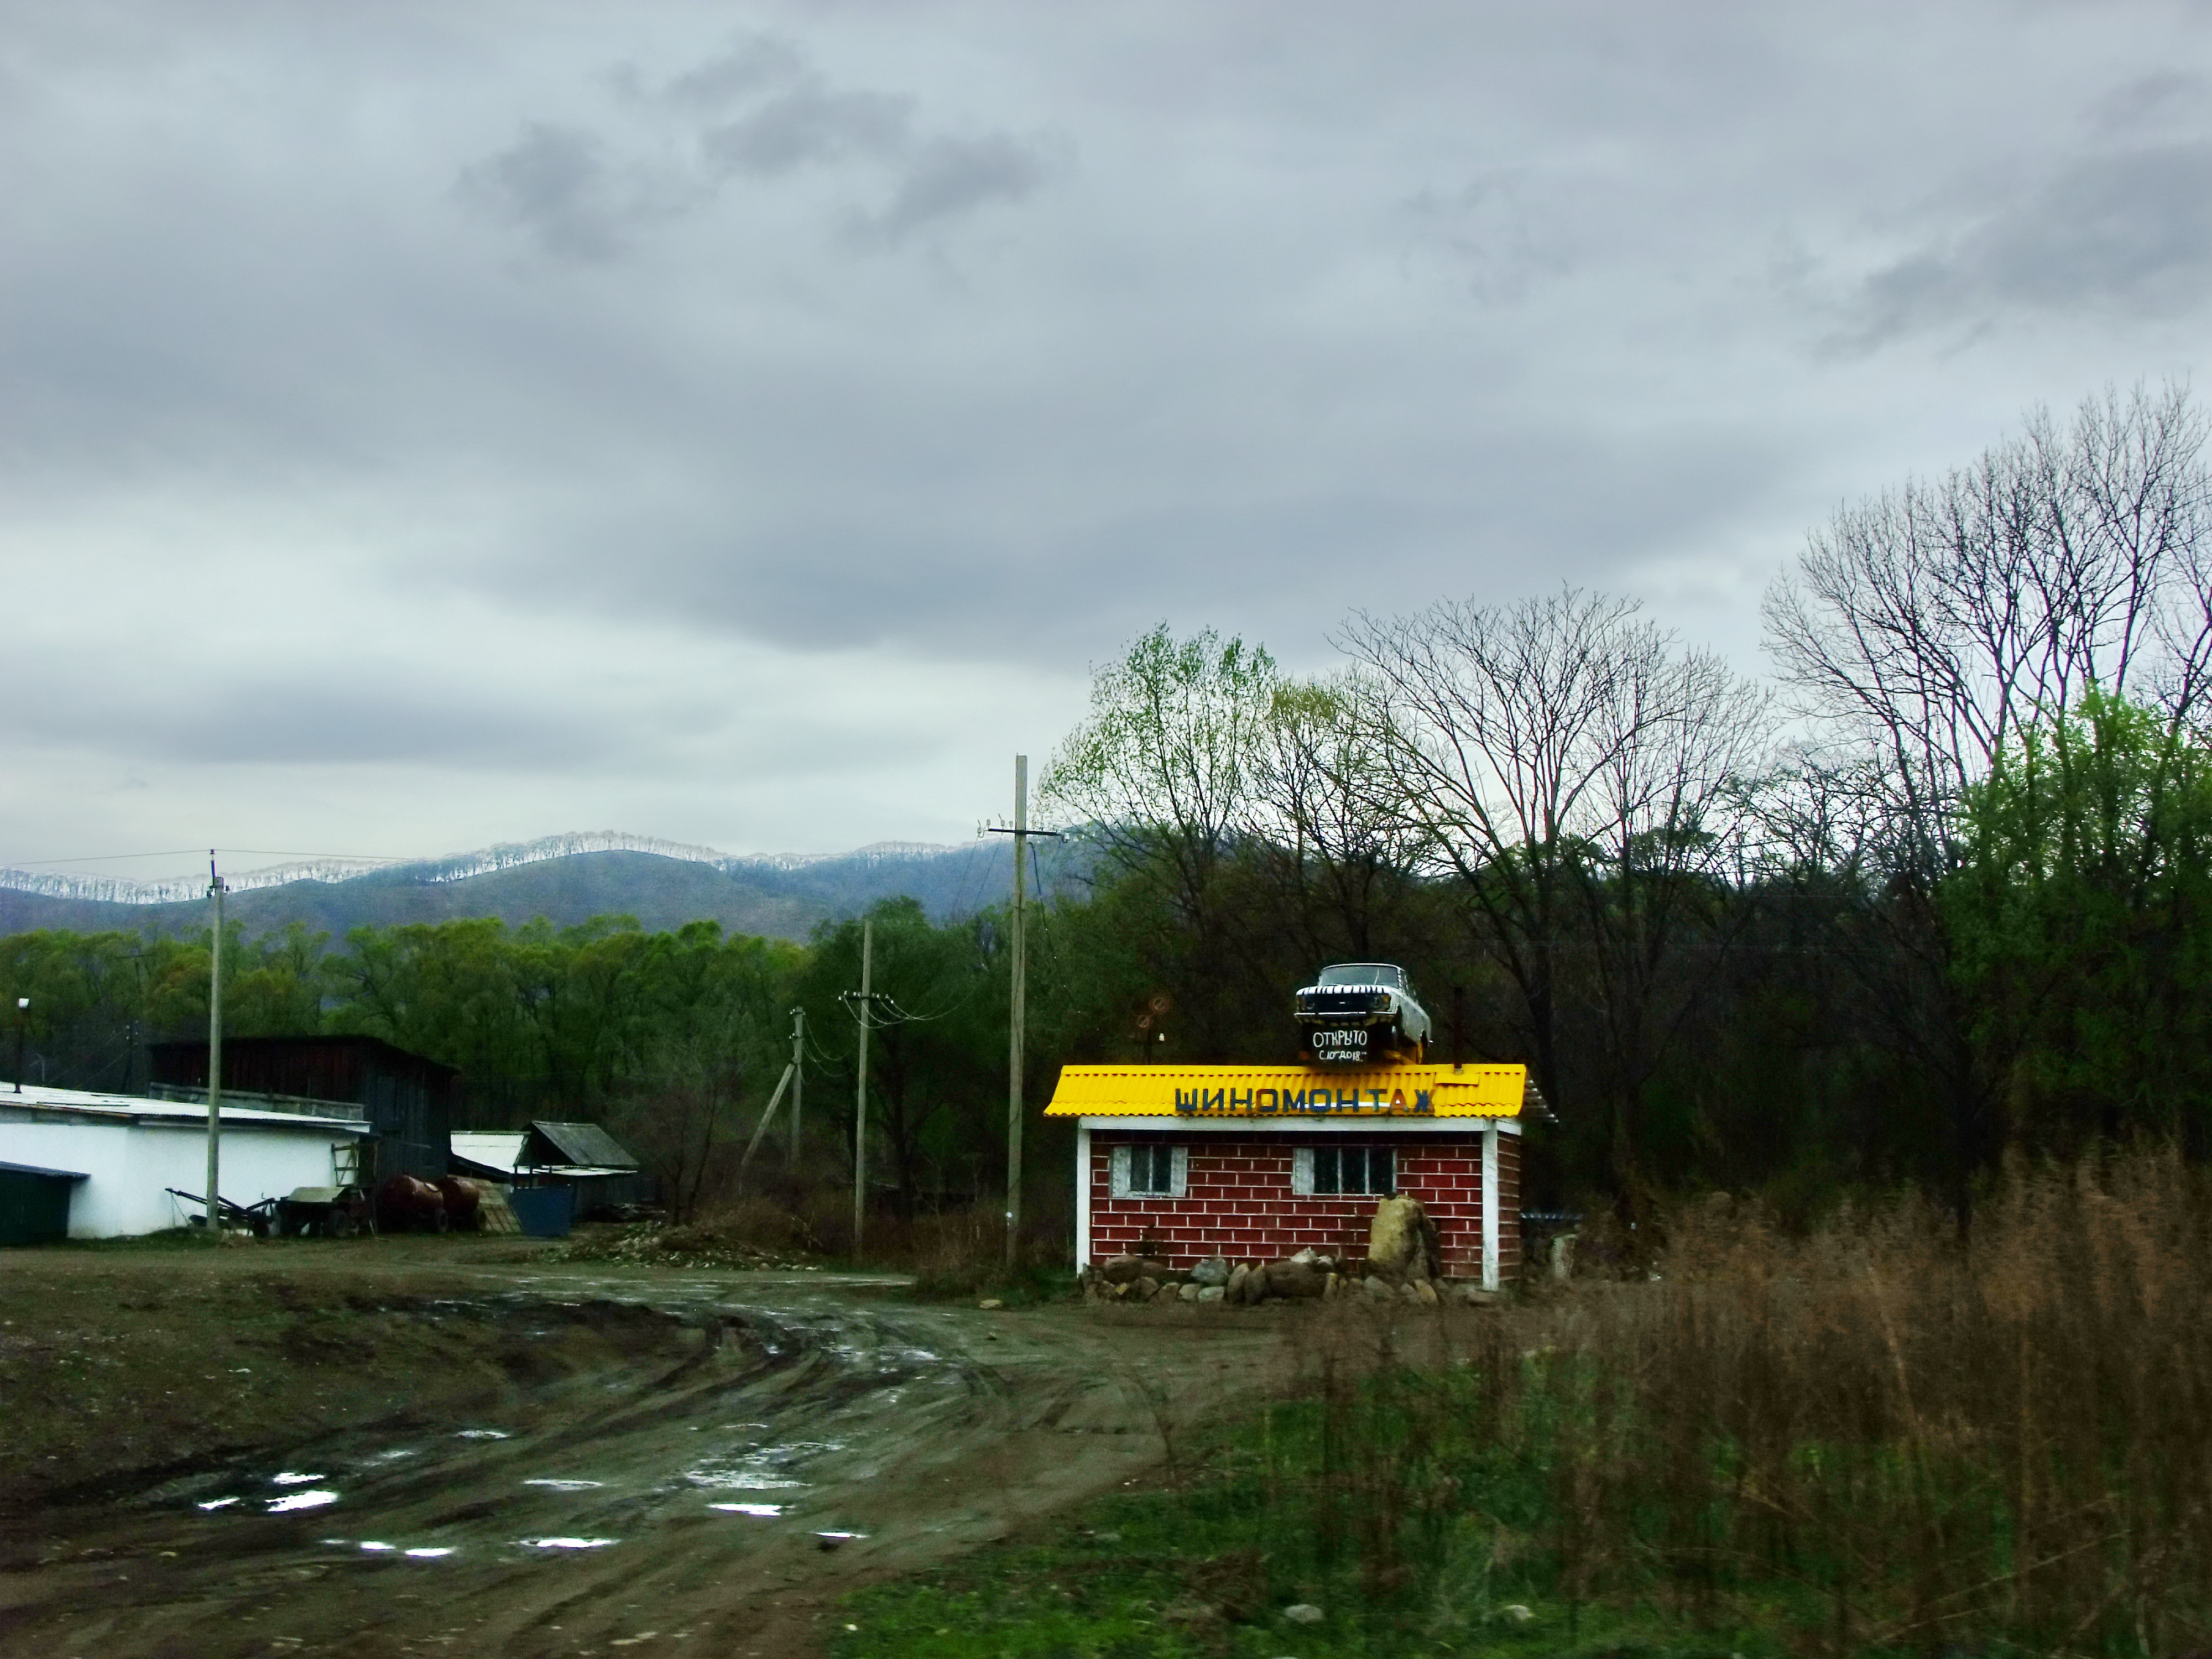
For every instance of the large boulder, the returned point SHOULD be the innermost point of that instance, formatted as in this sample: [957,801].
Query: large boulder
[1402,1241]
[1212,1271]
[1128,1269]
[1293,1278]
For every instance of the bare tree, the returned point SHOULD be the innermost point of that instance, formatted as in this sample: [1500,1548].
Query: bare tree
[1922,628]
[1925,630]
[1323,817]
[1563,759]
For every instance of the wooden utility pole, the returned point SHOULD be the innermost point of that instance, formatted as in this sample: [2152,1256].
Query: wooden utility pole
[1019,1012]
[216,890]
[866,1009]
[797,1079]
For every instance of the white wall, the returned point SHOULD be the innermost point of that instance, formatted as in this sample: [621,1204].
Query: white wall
[131,1163]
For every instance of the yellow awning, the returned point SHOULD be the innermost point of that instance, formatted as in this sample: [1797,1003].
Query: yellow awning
[1289,1091]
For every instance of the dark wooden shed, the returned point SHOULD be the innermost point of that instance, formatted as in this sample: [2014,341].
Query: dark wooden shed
[411,1101]
[34,1203]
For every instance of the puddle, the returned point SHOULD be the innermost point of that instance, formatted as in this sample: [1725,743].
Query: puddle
[740,1480]
[765,1512]
[483,1434]
[563,1486]
[566,1543]
[288,1478]
[301,1500]
[216,1503]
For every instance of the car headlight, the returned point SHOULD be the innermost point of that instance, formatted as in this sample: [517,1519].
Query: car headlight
[1380,1002]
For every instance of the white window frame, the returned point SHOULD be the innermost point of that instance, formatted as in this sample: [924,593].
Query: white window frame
[1121,1181]
[1303,1181]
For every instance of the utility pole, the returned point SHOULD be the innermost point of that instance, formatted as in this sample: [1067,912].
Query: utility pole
[865,1009]
[797,1079]
[216,890]
[1018,1014]
[22,1024]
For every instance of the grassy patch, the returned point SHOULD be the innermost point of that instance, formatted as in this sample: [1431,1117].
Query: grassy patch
[1018,1287]
[1211,1563]
[1876,1440]
[169,1238]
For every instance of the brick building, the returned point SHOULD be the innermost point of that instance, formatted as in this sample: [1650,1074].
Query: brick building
[1255,1163]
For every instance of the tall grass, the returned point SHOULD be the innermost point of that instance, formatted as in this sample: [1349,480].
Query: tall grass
[1873,1437]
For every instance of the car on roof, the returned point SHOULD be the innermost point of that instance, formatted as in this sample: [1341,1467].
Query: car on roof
[1361,1013]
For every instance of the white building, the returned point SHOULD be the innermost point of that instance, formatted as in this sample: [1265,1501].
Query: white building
[132,1151]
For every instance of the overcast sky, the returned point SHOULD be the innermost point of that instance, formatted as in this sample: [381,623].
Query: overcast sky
[423,426]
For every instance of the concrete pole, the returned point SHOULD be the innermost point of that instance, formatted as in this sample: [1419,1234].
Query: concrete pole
[1020,1013]
[216,890]
[797,1079]
[861,1089]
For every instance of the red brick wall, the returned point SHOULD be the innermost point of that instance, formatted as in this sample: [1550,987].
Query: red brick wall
[1240,1204]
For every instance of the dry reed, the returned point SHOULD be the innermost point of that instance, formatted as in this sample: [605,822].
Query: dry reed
[1876,1437]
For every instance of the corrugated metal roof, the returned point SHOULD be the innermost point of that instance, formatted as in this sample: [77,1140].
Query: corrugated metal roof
[498,1149]
[586,1144]
[1289,1093]
[39,1101]
[33,1169]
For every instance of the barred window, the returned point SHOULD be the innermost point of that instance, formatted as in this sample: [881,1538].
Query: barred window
[1367,1169]
[1147,1171]
[1151,1171]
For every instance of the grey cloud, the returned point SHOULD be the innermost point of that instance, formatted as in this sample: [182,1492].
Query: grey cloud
[1496,239]
[2149,101]
[755,61]
[290,722]
[2129,233]
[761,112]
[809,127]
[552,182]
[947,177]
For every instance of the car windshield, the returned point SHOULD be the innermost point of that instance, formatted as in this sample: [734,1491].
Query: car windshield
[1365,973]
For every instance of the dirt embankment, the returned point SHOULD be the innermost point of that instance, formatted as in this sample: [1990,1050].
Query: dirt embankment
[403,1446]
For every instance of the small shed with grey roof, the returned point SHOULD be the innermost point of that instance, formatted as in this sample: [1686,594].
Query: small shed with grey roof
[605,1173]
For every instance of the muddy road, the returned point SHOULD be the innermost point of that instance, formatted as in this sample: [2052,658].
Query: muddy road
[535,1461]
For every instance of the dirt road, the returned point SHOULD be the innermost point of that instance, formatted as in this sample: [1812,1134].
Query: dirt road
[569,1461]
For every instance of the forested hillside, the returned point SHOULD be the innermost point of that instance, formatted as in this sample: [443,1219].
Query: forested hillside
[775,898]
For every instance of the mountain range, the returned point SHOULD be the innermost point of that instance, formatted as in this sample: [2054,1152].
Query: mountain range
[565,878]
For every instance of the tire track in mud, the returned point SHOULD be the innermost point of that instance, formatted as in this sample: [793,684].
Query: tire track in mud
[669,1500]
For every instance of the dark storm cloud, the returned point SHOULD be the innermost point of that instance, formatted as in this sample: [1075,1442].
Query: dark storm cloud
[946,178]
[552,181]
[2129,234]
[301,718]
[545,395]
[758,112]
[809,127]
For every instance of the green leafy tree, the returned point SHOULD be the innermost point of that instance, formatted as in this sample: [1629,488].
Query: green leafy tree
[2082,921]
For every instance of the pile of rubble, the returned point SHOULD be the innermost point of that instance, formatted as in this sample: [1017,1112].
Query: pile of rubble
[655,1244]
[1402,1265]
